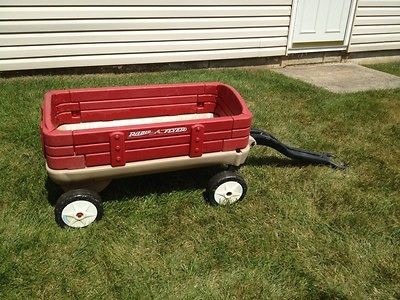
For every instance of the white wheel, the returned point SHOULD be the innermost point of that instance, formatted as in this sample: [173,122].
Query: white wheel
[79,214]
[78,208]
[226,188]
[228,193]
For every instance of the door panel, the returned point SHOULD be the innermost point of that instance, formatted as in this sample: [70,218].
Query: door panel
[309,17]
[321,21]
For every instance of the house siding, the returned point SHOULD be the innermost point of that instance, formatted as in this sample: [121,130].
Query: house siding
[376,26]
[50,34]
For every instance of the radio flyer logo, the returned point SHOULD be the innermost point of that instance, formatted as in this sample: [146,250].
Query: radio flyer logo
[165,131]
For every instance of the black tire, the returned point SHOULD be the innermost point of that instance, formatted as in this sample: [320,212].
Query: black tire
[233,185]
[74,203]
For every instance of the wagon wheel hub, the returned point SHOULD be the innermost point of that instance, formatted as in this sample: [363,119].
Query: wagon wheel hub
[229,192]
[79,213]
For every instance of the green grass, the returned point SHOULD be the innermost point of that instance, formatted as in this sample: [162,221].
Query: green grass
[302,232]
[392,68]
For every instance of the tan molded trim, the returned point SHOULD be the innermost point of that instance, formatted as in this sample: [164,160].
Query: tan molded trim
[66,177]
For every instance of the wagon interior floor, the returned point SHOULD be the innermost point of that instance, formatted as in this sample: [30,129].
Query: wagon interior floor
[138,121]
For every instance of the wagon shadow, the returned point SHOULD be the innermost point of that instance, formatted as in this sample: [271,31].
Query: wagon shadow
[53,191]
[164,183]
[275,161]
[184,180]
[140,186]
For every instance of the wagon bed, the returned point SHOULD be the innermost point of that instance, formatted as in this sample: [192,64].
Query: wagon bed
[115,127]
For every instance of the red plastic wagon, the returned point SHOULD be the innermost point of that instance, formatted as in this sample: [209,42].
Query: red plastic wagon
[91,136]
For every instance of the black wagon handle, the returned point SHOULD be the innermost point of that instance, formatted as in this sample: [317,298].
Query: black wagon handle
[266,139]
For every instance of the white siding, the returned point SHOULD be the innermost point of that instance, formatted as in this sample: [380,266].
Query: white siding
[50,33]
[376,26]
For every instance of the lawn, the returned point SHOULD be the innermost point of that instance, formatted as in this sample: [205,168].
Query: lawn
[392,68]
[302,231]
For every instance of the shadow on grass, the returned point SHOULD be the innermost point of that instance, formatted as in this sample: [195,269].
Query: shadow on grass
[274,161]
[164,183]
[140,186]
[53,191]
[184,180]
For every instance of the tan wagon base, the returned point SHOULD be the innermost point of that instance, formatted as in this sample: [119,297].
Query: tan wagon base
[77,178]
